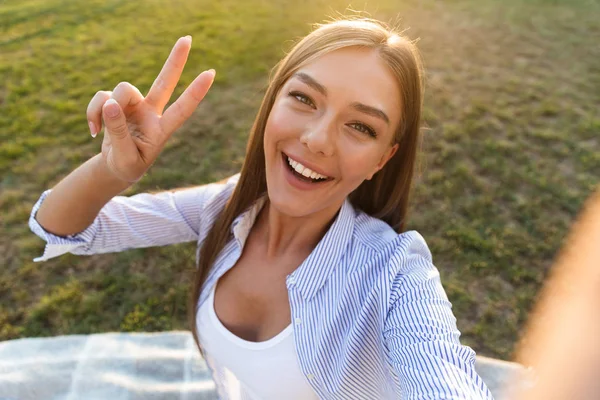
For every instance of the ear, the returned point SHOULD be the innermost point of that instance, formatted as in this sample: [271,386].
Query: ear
[384,159]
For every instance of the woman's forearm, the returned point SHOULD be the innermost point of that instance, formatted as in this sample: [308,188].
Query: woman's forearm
[75,201]
[562,342]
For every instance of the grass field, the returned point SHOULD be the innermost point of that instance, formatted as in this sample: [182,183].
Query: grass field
[511,149]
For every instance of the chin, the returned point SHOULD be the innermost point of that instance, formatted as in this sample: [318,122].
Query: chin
[288,206]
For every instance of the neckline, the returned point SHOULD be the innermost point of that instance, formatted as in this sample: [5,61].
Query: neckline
[312,273]
[238,340]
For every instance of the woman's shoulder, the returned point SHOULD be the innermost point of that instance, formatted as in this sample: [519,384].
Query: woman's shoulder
[214,198]
[218,193]
[402,262]
[398,254]
[378,236]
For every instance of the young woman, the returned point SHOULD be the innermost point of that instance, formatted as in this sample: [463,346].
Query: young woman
[306,285]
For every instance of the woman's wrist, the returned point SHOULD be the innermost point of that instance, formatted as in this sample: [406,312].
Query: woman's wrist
[106,179]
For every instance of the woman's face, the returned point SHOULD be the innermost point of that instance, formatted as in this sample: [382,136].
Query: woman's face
[337,117]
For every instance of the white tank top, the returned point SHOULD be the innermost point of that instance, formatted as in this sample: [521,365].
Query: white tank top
[267,370]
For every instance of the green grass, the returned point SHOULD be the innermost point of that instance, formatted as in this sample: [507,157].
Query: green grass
[511,149]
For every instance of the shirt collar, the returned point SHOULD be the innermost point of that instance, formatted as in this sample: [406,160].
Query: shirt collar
[311,275]
[243,223]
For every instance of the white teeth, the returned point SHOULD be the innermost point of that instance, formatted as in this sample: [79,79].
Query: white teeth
[301,169]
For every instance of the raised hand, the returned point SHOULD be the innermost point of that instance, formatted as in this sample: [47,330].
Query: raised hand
[136,129]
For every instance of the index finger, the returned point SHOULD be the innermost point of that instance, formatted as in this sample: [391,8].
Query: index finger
[167,79]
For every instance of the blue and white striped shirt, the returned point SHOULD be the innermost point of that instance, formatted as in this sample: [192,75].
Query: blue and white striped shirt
[370,317]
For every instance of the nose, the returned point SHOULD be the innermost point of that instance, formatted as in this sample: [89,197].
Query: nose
[319,139]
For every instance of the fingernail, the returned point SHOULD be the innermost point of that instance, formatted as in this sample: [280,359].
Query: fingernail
[111,108]
[188,36]
[212,72]
[92,128]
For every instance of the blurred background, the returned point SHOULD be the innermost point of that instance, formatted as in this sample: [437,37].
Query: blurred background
[511,143]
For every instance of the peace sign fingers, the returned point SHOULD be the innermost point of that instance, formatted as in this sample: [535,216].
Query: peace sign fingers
[167,79]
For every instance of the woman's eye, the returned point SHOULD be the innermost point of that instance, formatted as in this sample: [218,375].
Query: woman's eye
[364,129]
[301,97]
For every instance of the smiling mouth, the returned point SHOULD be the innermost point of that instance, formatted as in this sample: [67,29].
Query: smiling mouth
[298,175]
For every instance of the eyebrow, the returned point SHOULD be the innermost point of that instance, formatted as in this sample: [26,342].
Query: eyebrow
[311,82]
[369,110]
[372,111]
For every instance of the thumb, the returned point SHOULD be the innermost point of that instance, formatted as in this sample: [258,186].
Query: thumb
[116,128]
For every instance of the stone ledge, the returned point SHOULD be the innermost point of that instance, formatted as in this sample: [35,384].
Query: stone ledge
[500,375]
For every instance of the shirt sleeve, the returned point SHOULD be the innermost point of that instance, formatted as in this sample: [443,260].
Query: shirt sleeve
[141,220]
[420,332]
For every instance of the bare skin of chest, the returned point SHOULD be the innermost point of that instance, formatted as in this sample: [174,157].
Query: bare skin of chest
[251,298]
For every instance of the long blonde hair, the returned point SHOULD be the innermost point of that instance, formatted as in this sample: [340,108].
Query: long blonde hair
[386,195]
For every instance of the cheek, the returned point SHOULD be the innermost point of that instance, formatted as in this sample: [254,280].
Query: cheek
[356,161]
[280,124]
